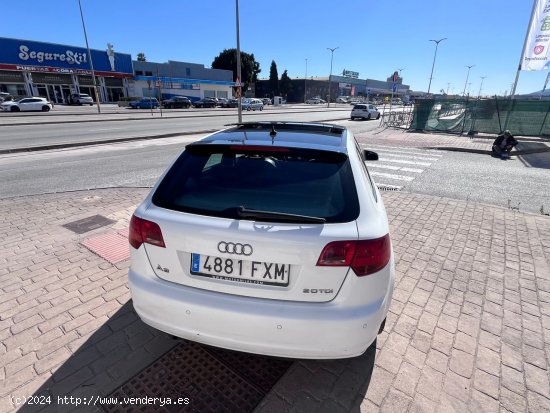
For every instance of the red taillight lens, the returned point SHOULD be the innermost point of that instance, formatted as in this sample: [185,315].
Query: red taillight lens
[364,257]
[143,231]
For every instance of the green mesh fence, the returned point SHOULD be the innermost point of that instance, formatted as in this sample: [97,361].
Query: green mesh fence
[521,117]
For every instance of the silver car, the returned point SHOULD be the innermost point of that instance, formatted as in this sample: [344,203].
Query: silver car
[364,111]
[253,104]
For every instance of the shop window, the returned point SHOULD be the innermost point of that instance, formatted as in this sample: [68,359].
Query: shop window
[187,71]
[139,72]
[209,93]
[222,94]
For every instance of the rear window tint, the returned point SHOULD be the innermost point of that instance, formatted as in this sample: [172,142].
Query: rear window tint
[360,107]
[214,180]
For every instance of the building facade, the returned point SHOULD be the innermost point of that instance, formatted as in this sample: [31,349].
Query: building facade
[303,89]
[55,71]
[164,80]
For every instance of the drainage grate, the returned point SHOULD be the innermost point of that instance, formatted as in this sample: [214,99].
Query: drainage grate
[264,372]
[88,224]
[213,381]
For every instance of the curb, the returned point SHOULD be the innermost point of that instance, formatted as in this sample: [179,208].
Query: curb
[485,152]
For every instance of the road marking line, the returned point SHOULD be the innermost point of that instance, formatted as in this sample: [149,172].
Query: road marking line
[431,152]
[395,168]
[393,176]
[406,162]
[421,158]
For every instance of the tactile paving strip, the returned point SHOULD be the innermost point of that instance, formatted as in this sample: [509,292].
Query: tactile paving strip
[213,381]
[110,246]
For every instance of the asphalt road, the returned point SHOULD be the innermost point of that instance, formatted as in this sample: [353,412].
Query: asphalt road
[518,183]
[28,135]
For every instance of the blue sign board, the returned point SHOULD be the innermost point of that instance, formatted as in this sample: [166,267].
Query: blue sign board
[39,54]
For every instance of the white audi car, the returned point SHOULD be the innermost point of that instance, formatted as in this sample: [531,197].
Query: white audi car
[268,238]
[364,111]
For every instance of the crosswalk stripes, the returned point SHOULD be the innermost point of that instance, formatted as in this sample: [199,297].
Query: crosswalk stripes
[397,166]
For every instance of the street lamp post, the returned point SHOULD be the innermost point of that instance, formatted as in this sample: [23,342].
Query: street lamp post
[467,76]
[90,58]
[330,76]
[480,86]
[239,100]
[433,64]
[305,84]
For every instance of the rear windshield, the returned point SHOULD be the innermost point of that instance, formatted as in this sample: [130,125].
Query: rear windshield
[216,180]
[360,107]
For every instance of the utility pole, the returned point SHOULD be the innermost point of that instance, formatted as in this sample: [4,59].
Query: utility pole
[90,58]
[466,82]
[239,100]
[305,84]
[480,86]
[433,64]
[330,76]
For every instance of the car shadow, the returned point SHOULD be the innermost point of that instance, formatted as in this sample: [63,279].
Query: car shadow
[323,385]
[125,358]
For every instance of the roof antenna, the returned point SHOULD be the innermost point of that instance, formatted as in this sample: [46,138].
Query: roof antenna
[273,132]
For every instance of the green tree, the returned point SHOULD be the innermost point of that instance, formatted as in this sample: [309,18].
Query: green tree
[249,67]
[285,84]
[273,79]
[141,57]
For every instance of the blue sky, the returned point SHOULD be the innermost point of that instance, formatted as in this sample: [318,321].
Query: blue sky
[374,37]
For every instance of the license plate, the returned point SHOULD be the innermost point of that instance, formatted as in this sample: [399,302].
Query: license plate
[251,272]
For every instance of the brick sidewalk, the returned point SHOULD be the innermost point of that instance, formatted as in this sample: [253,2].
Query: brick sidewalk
[402,137]
[469,328]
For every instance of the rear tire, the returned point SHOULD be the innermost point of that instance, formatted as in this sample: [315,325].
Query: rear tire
[45,108]
[368,117]
[382,326]
[14,109]
[378,116]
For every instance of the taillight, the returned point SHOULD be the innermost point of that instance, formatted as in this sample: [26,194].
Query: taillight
[143,231]
[364,256]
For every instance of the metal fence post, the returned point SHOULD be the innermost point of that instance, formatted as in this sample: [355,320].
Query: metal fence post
[544,121]
[498,114]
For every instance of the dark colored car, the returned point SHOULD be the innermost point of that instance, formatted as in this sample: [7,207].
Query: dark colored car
[205,103]
[145,103]
[230,103]
[176,102]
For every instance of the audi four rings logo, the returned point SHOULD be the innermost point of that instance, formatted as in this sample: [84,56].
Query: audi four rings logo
[235,248]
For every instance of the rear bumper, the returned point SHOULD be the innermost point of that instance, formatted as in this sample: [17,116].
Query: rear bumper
[271,327]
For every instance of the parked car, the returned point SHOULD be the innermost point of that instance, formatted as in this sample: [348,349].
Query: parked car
[315,101]
[4,96]
[176,102]
[230,103]
[205,103]
[252,104]
[365,111]
[80,99]
[145,103]
[26,104]
[266,101]
[342,100]
[221,102]
[277,244]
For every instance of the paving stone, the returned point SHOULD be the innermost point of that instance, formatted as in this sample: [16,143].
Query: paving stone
[430,383]
[461,363]
[442,341]
[513,380]
[486,383]
[537,403]
[389,360]
[381,382]
[480,402]
[407,378]
[511,401]
[457,386]
[395,401]
[536,379]
[488,360]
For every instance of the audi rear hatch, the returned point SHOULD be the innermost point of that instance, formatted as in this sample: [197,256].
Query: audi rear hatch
[251,220]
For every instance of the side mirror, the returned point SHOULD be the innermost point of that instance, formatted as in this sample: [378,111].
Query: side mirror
[369,155]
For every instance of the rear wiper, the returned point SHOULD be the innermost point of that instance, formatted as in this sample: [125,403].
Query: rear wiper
[243,212]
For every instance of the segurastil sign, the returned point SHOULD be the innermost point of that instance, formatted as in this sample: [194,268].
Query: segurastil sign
[33,56]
